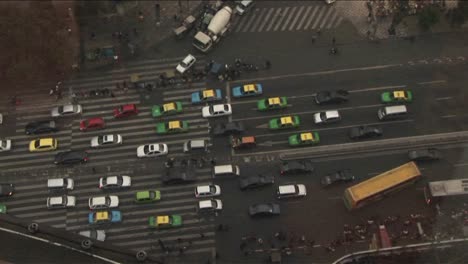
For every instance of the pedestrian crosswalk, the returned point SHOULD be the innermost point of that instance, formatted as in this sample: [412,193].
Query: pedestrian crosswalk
[296,18]
[30,171]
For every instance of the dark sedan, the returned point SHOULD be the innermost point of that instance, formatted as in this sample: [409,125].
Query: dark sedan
[40,127]
[264,209]
[363,132]
[71,157]
[337,176]
[6,189]
[331,97]
[231,128]
[296,167]
[256,181]
[424,154]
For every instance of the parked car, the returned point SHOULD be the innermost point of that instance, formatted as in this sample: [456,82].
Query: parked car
[216,110]
[71,157]
[5,145]
[231,128]
[363,132]
[115,182]
[186,64]
[66,110]
[264,209]
[125,110]
[296,167]
[6,189]
[58,202]
[256,181]
[99,235]
[425,154]
[92,124]
[103,202]
[337,176]
[106,140]
[104,217]
[40,127]
[327,117]
[331,97]
[152,150]
[207,191]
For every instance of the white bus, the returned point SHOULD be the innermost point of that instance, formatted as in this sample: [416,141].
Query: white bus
[437,190]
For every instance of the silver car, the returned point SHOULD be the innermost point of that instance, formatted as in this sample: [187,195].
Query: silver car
[106,140]
[66,110]
[99,235]
[103,202]
[63,201]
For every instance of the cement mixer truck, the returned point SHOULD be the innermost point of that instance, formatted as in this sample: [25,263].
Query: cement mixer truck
[217,27]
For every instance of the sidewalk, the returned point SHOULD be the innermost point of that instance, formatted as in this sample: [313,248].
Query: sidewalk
[357,13]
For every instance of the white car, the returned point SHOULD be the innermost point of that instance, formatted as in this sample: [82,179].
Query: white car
[212,205]
[330,1]
[103,202]
[115,182]
[207,191]
[63,201]
[152,150]
[99,235]
[186,64]
[244,6]
[66,110]
[216,110]
[5,145]
[106,140]
[327,117]
[291,191]
[1,119]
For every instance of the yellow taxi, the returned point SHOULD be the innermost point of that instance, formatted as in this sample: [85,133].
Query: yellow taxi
[43,144]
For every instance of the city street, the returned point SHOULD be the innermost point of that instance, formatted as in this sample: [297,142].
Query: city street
[433,68]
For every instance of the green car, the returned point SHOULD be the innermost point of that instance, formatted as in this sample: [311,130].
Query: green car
[397,97]
[172,127]
[165,221]
[166,109]
[284,122]
[272,103]
[3,209]
[304,139]
[147,196]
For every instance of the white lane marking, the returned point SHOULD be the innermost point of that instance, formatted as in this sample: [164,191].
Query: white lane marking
[377,88]
[460,164]
[253,17]
[296,17]
[265,20]
[433,82]
[332,20]
[282,16]
[338,22]
[444,98]
[322,12]
[448,116]
[304,17]
[324,20]
[275,17]
[258,21]
[311,18]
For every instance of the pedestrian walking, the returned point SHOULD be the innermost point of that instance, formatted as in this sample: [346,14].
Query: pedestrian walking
[112,95]
[135,32]
[93,36]
[176,18]
[51,92]
[333,40]
[141,17]
[94,170]
[202,235]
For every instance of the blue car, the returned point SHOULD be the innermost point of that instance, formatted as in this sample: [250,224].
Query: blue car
[205,96]
[104,217]
[247,90]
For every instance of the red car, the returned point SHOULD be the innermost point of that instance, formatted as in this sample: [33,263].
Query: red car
[125,110]
[92,124]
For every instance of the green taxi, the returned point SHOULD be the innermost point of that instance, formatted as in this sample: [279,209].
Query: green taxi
[272,103]
[166,109]
[147,196]
[172,127]
[304,139]
[284,122]
[397,97]
[165,221]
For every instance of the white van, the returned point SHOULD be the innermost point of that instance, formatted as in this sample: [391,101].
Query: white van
[291,191]
[60,184]
[199,145]
[392,112]
[226,170]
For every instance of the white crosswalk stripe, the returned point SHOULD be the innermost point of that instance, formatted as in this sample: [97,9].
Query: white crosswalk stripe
[30,171]
[296,18]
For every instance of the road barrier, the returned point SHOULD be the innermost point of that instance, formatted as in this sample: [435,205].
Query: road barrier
[378,145]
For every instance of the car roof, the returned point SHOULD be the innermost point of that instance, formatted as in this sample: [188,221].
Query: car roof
[128,107]
[332,114]
[112,179]
[56,200]
[73,154]
[46,141]
[99,200]
[205,204]
[203,189]
[143,195]
[68,107]
[95,120]
[219,107]
[188,58]
[286,189]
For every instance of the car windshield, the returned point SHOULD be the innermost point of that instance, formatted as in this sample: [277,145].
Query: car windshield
[37,143]
[146,149]
[3,144]
[323,116]
[60,109]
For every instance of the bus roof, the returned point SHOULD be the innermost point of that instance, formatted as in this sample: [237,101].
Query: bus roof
[384,181]
[450,187]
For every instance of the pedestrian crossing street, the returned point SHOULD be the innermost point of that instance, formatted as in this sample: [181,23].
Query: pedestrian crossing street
[297,18]
[29,199]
